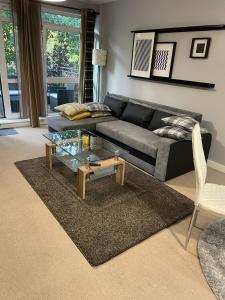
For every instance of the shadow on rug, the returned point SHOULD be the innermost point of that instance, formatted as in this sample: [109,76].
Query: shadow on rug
[211,250]
[113,218]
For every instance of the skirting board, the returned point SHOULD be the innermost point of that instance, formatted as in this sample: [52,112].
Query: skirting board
[216,166]
[20,123]
[15,125]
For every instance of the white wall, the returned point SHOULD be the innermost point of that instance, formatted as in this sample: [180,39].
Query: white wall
[119,18]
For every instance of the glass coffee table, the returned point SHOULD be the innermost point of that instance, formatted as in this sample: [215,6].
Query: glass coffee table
[86,154]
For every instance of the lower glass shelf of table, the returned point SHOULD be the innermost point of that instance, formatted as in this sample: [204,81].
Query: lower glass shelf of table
[86,154]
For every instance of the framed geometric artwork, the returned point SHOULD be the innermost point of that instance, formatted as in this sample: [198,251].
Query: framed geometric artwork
[200,47]
[163,59]
[142,54]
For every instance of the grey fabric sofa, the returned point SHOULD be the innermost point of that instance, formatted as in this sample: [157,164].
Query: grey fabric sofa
[162,157]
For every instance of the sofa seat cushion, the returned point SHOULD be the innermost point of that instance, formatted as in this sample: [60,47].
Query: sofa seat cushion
[59,123]
[131,135]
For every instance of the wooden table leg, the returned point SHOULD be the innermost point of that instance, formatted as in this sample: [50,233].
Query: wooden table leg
[120,173]
[50,149]
[83,172]
[81,184]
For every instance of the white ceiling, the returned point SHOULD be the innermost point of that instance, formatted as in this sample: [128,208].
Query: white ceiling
[78,3]
[97,1]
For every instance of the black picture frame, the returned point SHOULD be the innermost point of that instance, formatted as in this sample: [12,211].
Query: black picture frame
[174,44]
[138,36]
[207,41]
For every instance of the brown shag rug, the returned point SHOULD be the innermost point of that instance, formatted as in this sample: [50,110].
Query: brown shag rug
[112,218]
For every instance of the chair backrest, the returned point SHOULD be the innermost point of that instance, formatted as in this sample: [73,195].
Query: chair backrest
[199,158]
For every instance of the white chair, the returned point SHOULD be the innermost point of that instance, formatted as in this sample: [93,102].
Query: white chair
[208,196]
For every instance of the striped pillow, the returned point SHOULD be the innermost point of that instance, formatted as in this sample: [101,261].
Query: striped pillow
[185,122]
[93,107]
[175,133]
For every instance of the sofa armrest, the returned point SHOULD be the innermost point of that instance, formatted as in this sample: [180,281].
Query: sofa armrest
[175,158]
[163,158]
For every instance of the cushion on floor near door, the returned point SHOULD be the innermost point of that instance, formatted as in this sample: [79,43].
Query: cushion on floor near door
[134,136]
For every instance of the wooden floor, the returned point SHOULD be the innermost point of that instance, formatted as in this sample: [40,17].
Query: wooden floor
[39,261]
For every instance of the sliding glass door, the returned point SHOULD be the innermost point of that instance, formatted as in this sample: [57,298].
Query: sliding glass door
[61,60]
[61,36]
[10,57]
[2,110]
[10,94]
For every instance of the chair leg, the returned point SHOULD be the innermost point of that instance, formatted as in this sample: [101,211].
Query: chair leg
[196,216]
[193,221]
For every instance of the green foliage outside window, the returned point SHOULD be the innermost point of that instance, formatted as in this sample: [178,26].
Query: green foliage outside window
[57,19]
[5,13]
[63,53]
[10,50]
[9,42]
[63,47]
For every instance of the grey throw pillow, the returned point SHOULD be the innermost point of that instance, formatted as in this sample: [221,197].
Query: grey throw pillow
[185,122]
[94,107]
[175,133]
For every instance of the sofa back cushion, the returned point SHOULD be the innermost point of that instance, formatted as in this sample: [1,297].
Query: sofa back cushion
[117,106]
[156,121]
[137,114]
[172,110]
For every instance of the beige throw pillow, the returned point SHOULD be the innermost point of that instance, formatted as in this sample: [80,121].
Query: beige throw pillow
[72,109]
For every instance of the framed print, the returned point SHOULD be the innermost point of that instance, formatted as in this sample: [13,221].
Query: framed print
[163,59]
[142,54]
[200,47]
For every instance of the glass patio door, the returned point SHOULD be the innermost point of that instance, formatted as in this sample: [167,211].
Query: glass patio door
[10,94]
[11,66]
[62,59]
[2,110]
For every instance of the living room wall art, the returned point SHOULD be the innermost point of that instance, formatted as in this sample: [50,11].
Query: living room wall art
[200,47]
[163,59]
[139,72]
[142,54]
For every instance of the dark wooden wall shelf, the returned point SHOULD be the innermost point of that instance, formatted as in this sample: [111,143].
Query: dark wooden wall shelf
[183,29]
[204,85]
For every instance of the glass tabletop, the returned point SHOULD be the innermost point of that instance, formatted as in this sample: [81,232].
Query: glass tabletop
[84,146]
